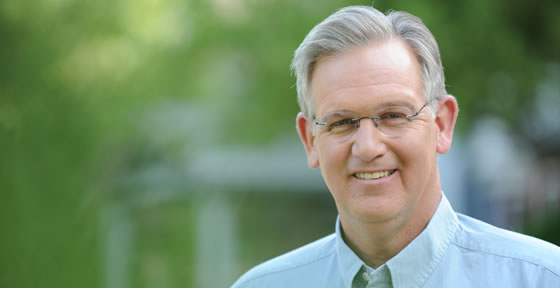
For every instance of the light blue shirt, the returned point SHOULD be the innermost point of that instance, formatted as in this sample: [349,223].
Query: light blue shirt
[453,251]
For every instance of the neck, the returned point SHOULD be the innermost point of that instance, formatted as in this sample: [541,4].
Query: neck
[377,242]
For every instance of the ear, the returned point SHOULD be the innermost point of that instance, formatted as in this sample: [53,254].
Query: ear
[304,128]
[446,117]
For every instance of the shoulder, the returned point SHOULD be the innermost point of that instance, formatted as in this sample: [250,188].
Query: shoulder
[301,261]
[482,237]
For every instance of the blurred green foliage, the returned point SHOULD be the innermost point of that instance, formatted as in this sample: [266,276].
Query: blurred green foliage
[77,79]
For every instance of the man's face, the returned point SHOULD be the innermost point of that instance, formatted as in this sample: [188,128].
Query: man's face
[363,82]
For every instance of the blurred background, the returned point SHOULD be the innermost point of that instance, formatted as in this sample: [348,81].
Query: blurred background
[152,143]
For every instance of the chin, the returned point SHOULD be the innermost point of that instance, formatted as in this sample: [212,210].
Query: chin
[373,210]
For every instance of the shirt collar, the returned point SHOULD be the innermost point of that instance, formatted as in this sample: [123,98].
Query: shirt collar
[348,261]
[412,266]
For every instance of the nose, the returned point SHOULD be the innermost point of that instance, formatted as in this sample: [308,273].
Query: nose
[367,141]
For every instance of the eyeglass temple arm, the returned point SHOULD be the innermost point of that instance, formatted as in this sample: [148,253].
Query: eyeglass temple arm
[418,112]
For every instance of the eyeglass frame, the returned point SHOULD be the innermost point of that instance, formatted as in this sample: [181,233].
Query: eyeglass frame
[356,121]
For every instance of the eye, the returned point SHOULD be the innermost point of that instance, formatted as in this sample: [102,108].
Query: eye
[342,122]
[392,119]
[392,115]
[342,126]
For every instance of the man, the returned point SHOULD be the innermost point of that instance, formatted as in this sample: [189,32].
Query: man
[375,115]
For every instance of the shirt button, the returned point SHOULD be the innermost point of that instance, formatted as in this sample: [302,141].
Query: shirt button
[365,276]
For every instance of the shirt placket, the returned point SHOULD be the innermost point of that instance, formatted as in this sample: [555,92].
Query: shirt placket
[369,279]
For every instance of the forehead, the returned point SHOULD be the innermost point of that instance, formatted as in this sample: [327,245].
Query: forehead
[367,76]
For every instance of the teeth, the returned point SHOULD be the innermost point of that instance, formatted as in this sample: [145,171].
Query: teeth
[374,175]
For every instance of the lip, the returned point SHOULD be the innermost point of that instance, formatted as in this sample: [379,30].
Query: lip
[376,180]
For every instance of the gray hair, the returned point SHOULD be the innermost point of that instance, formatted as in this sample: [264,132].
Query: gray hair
[358,26]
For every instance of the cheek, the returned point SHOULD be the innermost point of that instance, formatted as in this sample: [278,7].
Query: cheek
[333,152]
[417,154]
[422,140]
[333,159]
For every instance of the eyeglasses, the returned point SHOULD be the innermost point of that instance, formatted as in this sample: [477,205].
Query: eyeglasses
[392,122]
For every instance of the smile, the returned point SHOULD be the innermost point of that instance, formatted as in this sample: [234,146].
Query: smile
[374,175]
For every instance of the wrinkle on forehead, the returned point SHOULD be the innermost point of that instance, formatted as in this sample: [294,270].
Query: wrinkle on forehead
[382,70]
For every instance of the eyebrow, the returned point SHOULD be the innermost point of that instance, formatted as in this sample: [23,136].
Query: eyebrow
[339,114]
[405,104]
[383,106]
